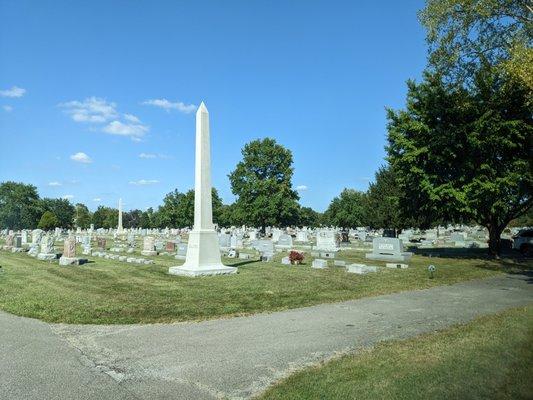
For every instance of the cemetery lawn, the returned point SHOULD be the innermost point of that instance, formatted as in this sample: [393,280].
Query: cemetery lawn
[489,358]
[112,292]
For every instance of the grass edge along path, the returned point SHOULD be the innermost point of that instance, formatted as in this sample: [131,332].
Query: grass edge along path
[490,357]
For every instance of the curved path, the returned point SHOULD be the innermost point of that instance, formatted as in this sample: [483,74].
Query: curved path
[234,358]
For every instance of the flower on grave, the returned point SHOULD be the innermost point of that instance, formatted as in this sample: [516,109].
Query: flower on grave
[295,257]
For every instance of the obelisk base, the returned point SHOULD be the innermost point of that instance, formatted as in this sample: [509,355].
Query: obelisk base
[203,256]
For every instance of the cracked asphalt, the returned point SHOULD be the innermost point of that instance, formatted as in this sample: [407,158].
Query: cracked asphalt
[233,358]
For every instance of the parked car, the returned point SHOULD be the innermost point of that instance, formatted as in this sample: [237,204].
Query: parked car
[523,241]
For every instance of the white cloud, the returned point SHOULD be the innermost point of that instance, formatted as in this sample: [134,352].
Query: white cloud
[96,110]
[54,183]
[92,109]
[143,182]
[7,108]
[301,188]
[125,129]
[97,199]
[131,118]
[154,155]
[168,105]
[13,92]
[147,155]
[81,157]
[68,196]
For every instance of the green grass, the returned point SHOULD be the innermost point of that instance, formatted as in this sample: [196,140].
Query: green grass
[113,292]
[490,358]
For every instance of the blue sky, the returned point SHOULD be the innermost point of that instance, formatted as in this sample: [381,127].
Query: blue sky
[97,98]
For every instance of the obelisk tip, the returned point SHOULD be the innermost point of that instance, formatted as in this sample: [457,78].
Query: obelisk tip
[202,108]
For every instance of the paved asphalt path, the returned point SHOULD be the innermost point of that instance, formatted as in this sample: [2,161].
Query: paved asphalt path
[233,358]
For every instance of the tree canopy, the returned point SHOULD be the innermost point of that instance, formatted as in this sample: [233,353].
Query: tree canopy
[82,218]
[19,206]
[463,35]
[463,154]
[177,209]
[64,211]
[347,210]
[382,202]
[48,221]
[262,182]
[309,217]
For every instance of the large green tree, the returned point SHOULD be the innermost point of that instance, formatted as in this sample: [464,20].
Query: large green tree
[105,217]
[63,209]
[171,212]
[382,203]
[308,217]
[178,209]
[82,218]
[132,219]
[262,182]
[148,218]
[347,210]
[48,221]
[19,206]
[227,216]
[464,153]
[465,34]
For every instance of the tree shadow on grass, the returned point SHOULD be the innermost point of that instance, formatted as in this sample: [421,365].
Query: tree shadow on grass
[510,261]
[242,263]
[472,253]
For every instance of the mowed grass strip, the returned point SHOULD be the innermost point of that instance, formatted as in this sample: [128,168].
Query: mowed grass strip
[113,292]
[490,358]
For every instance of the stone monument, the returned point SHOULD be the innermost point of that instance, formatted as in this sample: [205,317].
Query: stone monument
[47,249]
[148,246]
[69,253]
[388,249]
[327,240]
[203,252]
[120,229]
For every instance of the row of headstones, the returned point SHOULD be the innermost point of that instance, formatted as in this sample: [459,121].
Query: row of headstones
[325,240]
[133,260]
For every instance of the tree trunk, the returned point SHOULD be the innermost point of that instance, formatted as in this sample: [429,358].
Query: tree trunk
[495,231]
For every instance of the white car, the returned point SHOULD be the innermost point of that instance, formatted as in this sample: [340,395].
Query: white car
[523,241]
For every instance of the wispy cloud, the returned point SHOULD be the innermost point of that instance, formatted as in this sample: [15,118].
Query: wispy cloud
[7,108]
[13,92]
[97,199]
[301,188]
[54,183]
[68,196]
[81,157]
[142,182]
[147,155]
[131,118]
[169,105]
[153,155]
[95,110]
[92,109]
[125,129]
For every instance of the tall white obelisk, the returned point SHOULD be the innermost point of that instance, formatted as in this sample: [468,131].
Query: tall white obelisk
[203,251]
[119,228]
